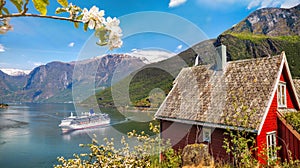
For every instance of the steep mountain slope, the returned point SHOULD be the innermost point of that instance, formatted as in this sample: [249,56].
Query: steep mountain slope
[48,80]
[54,81]
[266,32]
[271,22]
[9,85]
[156,75]
[240,46]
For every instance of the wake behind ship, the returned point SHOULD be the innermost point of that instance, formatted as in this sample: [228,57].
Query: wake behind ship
[87,120]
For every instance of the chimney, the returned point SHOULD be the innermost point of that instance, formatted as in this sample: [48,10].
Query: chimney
[221,57]
[196,60]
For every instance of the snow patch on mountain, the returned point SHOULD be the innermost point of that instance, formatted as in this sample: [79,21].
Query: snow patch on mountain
[151,55]
[16,72]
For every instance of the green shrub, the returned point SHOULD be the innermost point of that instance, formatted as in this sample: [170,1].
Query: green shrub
[145,154]
[293,118]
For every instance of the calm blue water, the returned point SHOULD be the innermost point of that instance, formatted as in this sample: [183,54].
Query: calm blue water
[30,136]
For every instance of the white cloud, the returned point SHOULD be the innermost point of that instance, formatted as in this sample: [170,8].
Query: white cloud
[290,3]
[251,4]
[175,3]
[272,3]
[133,50]
[71,44]
[38,63]
[2,48]
[220,3]
[179,47]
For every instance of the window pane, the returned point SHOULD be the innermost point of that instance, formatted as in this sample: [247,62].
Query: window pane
[278,95]
[271,145]
[284,95]
[281,94]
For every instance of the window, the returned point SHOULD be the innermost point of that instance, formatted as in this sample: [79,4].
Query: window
[281,95]
[271,145]
[206,133]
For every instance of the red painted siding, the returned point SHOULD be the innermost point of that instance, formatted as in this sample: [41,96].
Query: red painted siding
[217,141]
[291,99]
[269,125]
[290,140]
[181,135]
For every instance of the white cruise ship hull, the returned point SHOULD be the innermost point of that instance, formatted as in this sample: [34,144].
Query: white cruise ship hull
[83,122]
[73,127]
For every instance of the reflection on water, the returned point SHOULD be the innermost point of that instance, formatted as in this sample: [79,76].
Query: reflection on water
[30,136]
[90,131]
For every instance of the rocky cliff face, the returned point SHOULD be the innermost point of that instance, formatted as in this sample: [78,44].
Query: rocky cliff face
[271,22]
[54,81]
[266,32]
[48,80]
[9,85]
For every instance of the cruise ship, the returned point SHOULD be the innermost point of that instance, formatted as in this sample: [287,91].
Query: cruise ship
[86,120]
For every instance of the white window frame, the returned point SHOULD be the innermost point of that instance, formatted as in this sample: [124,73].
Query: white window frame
[206,134]
[281,94]
[271,145]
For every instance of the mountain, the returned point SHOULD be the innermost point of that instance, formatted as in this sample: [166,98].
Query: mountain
[265,32]
[54,81]
[152,76]
[9,85]
[46,81]
[271,22]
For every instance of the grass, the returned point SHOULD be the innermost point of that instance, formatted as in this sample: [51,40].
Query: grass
[258,38]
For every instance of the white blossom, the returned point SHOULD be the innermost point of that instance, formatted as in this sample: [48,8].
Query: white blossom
[115,32]
[114,40]
[93,17]
[113,25]
[95,20]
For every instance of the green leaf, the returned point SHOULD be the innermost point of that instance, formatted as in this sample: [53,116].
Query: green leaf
[79,17]
[101,34]
[63,3]
[41,6]
[18,4]
[5,10]
[60,10]
[85,26]
[76,24]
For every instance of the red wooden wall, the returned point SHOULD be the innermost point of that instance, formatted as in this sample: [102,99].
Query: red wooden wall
[269,125]
[289,140]
[181,135]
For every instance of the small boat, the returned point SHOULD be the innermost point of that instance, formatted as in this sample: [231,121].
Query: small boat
[86,120]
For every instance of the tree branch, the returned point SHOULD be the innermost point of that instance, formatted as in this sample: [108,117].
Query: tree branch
[38,16]
[25,9]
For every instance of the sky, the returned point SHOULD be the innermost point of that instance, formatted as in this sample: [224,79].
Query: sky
[168,25]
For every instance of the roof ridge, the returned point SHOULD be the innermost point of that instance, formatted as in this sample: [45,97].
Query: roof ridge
[253,59]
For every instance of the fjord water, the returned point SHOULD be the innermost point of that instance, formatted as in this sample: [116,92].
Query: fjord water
[30,136]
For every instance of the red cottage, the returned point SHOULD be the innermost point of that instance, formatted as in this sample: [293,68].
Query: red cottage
[205,98]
